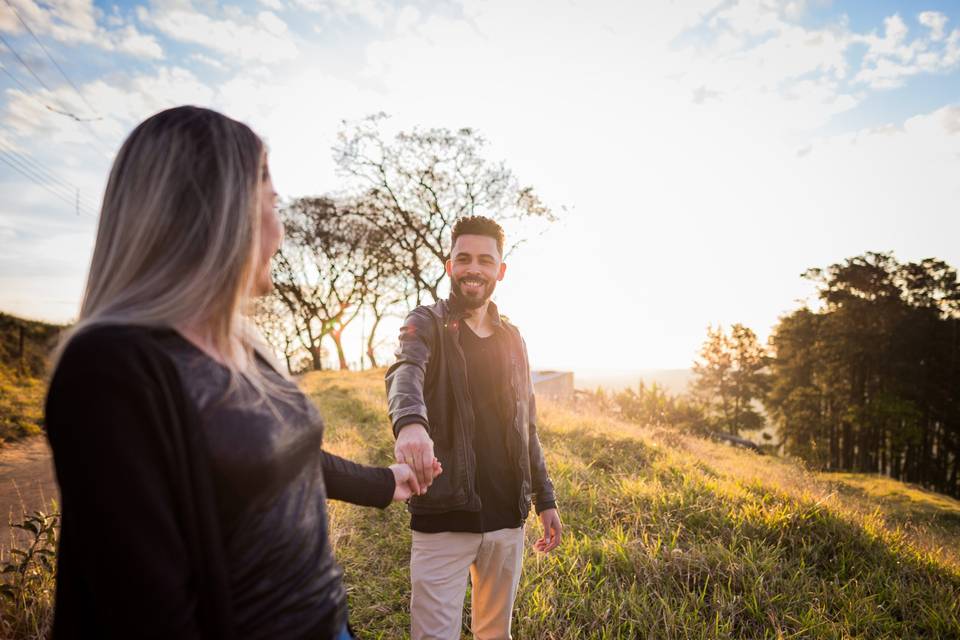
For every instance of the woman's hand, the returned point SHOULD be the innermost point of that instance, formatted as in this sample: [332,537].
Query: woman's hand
[406,484]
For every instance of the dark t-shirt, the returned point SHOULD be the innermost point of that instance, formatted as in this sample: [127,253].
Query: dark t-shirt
[497,484]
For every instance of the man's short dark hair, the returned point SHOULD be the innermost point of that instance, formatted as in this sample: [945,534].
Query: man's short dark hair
[477,226]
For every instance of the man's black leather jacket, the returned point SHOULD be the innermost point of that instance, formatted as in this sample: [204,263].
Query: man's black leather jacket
[428,384]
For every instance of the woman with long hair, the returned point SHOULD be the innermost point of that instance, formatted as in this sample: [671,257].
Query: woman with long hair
[193,483]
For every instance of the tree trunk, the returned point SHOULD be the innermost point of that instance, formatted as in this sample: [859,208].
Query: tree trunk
[371,339]
[924,466]
[735,428]
[954,482]
[316,356]
[834,445]
[846,446]
[336,337]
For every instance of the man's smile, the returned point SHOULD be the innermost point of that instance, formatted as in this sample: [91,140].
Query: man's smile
[472,285]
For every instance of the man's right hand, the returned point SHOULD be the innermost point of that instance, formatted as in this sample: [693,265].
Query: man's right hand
[415,448]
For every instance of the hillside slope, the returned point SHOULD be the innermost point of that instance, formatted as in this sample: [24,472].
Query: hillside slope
[670,536]
[21,374]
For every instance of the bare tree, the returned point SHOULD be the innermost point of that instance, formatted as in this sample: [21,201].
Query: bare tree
[275,322]
[384,296]
[322,272]
[414,186]
[382,246]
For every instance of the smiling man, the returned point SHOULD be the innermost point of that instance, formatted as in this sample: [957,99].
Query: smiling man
[461,391]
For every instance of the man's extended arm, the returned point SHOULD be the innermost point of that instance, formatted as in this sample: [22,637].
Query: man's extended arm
[407,408]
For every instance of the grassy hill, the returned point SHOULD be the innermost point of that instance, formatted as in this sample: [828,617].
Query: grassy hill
[667,536]
[21,374]
[670,536]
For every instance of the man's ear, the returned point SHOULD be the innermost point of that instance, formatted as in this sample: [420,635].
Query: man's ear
[503,270]
[448,267]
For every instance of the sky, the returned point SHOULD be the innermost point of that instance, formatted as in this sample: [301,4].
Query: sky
[701,154]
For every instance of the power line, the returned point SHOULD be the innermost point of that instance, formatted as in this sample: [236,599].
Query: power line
[60,193]
[69,114]
[62,72]
[24,63]
[16,79]
[57,194]
[29,94]
[34,175]
[45,172]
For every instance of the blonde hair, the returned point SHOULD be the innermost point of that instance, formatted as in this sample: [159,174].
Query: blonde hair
[178,237]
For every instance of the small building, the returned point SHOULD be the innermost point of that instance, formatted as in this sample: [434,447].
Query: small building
[556,385]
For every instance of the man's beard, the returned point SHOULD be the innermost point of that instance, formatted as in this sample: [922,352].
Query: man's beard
[473,300]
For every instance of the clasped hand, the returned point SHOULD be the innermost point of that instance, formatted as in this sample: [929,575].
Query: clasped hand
[416,465]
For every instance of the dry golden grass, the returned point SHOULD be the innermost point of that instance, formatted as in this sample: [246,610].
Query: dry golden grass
[667,536]
[674,536]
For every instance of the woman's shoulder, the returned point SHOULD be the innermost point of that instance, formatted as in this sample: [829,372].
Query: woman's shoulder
[108,375]
[119,349]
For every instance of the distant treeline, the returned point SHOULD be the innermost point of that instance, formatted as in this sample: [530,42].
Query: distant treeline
[870,382]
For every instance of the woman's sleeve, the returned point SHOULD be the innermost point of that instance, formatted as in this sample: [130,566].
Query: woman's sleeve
[357,483]
[124,565]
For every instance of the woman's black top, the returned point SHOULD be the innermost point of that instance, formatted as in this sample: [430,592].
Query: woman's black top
[191,507]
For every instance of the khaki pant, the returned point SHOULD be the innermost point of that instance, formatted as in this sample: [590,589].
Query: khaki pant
[439,563]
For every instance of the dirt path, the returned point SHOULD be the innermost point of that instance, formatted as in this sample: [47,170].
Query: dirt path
[27,480]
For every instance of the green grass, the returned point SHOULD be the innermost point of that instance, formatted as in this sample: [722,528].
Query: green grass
[670,536]
[667,536]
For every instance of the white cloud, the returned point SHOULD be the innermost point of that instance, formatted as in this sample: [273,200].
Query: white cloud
[299,114]
[935,21]
[950,117]
[75,22]
[207,60]
[878,177]
[124,102]
[262,38]
[891,59]
[272,24]
[374,12]
[276,5]
[753,17]
[135,43]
